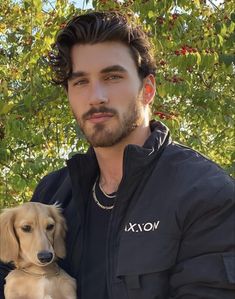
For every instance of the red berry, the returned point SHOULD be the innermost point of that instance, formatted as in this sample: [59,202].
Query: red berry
[162,115]
[62,25]
[160,20]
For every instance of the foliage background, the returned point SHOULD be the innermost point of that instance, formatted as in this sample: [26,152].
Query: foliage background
[194,46]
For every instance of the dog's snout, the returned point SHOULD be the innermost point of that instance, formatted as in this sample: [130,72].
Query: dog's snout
[45,256]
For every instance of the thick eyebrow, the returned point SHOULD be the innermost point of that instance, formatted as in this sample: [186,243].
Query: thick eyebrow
[109,69]
[113,68]
[77,75]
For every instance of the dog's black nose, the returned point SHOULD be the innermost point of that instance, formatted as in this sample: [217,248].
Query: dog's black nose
[45,256]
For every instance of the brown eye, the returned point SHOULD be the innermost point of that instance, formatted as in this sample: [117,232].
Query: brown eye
[50,227]
[26,228]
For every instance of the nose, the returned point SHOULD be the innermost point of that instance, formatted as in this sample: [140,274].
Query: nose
[45,256]
[97,95]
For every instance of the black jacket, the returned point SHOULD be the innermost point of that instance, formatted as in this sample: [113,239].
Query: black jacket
[172,230]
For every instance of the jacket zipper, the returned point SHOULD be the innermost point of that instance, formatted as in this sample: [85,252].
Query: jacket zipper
[110,237]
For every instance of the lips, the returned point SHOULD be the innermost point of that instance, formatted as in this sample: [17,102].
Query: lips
[99,117]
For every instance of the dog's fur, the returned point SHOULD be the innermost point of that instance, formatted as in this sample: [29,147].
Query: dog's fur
[25,232]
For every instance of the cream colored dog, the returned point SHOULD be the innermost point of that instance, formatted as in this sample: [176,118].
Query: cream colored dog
[32,237]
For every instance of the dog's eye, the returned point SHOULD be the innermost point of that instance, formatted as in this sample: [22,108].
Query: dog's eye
[26,228]
[50,227]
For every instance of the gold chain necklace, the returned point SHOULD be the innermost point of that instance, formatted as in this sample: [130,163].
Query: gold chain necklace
[96,200]
[107,195]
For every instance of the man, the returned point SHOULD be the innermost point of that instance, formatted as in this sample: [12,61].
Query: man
[147,218]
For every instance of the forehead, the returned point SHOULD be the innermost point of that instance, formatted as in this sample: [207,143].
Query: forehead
[32,213]
[89,58]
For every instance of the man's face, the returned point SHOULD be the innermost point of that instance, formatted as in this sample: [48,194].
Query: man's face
[105,92]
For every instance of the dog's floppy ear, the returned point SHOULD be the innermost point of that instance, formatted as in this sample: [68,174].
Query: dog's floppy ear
[60,230]
[9,247]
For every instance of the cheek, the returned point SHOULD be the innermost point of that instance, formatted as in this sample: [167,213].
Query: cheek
[25,241]
[124,93]
[77,103]
[50,236]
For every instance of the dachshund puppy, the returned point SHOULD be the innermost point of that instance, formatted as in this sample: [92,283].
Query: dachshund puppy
[32,237]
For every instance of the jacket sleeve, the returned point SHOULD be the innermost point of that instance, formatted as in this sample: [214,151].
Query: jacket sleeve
[54,188]
[42,191]
[206,259]
[4,270]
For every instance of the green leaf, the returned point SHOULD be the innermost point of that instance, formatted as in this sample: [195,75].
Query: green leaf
[161,91]
[227,59]
[5,108]
[233,17]
[220,40]
[198,56]
[151,14]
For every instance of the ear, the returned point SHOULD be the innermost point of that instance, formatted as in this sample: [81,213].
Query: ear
[60,230]
[9,247]
[149,89]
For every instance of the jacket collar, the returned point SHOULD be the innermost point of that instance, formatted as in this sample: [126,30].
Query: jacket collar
[84,167]
[136,157]
[160,136]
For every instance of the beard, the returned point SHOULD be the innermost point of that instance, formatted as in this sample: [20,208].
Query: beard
[105,134]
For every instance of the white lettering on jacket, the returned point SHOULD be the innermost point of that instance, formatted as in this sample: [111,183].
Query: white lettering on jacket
[141,227]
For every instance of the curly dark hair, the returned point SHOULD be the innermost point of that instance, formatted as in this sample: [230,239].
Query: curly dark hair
[99,27]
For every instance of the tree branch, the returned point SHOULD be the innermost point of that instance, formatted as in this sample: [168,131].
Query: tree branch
[203,80]
[213,4]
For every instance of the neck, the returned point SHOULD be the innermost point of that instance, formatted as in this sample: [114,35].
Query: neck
[110,159]
[39,271]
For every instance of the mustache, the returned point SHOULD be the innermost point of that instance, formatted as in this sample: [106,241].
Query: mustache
[98,110]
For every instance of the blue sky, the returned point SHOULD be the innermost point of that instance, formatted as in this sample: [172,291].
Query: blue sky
[81,3]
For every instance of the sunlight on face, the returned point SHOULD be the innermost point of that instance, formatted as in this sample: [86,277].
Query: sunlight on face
[105,92]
